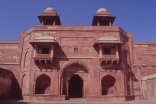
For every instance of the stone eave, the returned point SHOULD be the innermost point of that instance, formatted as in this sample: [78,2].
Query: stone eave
[76,28]
[9,42]
[145,43]
[149,77]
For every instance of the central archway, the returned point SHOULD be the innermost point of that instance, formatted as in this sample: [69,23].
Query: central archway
[75,88]
[73,80]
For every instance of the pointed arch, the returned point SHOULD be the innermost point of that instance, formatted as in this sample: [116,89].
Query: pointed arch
[107,82]
[9,85]
[75,69]
[76,63]
[43,83]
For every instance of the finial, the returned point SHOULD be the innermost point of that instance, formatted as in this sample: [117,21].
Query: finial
[51,3]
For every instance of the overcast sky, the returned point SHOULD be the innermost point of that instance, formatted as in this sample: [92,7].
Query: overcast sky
[136,16]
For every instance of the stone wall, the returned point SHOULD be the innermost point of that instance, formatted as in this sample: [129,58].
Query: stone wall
[9,85]
[149,87]
[9,53]
[145,57]
[145,61]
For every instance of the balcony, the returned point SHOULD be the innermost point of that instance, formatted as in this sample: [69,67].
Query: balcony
[109,61]
[43,57]
[109,58]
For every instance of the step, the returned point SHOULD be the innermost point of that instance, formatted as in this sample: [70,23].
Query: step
[74,101]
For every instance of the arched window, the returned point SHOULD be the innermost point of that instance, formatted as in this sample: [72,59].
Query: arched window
[42,85]
[106,83]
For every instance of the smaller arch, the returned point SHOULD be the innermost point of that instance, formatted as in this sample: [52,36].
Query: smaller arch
[43,83]
[107,82]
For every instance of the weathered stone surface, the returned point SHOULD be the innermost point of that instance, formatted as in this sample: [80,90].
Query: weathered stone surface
[96,63]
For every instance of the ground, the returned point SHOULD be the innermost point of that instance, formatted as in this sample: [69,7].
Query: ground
[75,102]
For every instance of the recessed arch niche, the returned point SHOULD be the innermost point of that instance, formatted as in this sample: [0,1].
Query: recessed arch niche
[107,82]
[42,85]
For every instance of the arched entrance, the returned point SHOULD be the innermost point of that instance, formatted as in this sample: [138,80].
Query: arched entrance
[75,87]
[106,83]
[43,82]
[73,81]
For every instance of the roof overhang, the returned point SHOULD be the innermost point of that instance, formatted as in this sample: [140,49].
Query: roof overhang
[44,40]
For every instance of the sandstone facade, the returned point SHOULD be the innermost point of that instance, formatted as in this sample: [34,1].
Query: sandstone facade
[98,63]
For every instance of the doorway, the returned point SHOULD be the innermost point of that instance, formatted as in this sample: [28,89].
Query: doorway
[42,85]
[106,83]
[75,88]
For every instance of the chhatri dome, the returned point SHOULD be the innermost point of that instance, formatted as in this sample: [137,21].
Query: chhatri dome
[49,17]
[49,11]
[103,18]
[102,10]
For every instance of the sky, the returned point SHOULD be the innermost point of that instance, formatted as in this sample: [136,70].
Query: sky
[135,16]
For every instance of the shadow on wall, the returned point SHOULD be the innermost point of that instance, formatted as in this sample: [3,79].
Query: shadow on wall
[9,86]
[12,102]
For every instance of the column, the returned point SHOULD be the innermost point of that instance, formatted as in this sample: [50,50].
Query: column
[54,23]
[42,23]
[61,85]
[110,24]
[35,50]
[117,52]
[100,51]
[67,86]
[98,24]
[52,51]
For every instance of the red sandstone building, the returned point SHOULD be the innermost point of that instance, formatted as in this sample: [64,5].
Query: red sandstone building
[97,63]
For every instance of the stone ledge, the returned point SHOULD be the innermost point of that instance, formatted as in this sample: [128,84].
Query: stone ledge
[153,76]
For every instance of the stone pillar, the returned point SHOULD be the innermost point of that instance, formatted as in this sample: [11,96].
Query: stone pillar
[98,24]
[35,50]
[42,23]
[67,84]
[61,85]
[100,51]
[54,23]
[110,24]
[117,52]
[131,87]
[52,51]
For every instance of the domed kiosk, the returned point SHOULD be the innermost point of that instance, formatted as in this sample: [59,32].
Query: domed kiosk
[49,17]
[103,18]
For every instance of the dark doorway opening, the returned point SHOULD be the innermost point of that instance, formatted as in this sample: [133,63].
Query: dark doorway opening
[9,86]
[75,89]
[106,83]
